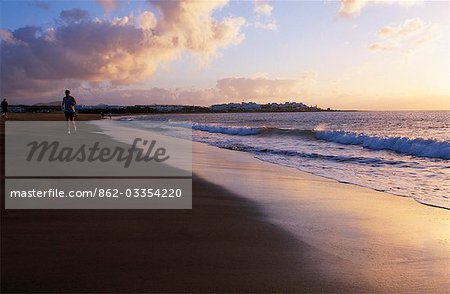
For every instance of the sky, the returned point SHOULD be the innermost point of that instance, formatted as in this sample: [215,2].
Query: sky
[347,54]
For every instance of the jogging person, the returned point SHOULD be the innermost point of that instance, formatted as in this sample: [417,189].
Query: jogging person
[4,108]
[68,104]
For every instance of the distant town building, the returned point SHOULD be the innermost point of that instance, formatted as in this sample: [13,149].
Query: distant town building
[100,106]
[252,106]
[236,106]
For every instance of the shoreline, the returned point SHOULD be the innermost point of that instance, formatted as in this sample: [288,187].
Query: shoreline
[422,202]
[353,184]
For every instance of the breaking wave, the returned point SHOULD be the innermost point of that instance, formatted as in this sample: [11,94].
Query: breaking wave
[403,145]
[409,146]
[416,147]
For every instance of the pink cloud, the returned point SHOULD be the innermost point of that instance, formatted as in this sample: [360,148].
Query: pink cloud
[262,8]
[409,35]
[349,8]
[108,5]
[120,51]
[259,88]
[264,88]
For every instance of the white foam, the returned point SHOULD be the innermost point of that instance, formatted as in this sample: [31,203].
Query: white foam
[416,147]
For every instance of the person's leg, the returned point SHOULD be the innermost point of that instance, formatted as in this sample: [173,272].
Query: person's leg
[68,121]
[73,123]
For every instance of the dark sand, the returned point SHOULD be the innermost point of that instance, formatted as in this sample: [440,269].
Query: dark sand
[224,244]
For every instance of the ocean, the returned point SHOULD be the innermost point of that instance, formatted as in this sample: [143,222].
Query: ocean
[401,153]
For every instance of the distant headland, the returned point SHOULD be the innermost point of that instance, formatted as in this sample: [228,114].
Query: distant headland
[160,108]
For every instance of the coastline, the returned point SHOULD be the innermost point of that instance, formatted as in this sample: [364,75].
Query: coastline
[254,227]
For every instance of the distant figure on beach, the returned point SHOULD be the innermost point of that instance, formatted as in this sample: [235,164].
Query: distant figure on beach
[4,108]
[68,104]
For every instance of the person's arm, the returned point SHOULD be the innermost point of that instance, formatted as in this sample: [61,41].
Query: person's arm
[62,104]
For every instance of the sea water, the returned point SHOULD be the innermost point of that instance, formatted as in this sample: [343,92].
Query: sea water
[402,153]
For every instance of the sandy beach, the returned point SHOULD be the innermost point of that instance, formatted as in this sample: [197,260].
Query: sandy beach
[254,227]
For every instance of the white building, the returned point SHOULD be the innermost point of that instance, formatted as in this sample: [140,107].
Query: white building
[236,106]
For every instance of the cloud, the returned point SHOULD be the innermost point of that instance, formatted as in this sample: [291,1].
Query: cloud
[262,8]
[190,24]
[73,15]
[310,76]
[269,26]
[108,5]
[263,88]
[349,8]
[6,36]
[260,87]
[155,95]
[233,89]
[383,46]
[409,28]
[263,13]
[147,20]
[121,51]
[408,35]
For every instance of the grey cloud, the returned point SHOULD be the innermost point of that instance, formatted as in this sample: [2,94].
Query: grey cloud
[74,14]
